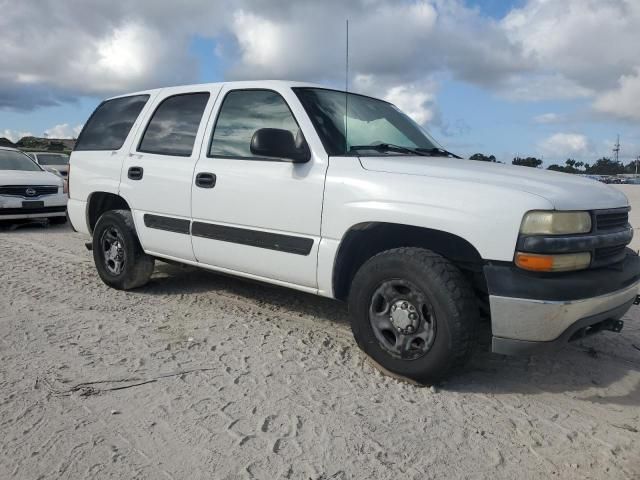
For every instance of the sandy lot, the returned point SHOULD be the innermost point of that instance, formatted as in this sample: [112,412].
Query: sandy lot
[198,375]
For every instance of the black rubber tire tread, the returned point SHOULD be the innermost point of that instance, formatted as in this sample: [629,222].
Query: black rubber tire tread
[452,297]
[138,265]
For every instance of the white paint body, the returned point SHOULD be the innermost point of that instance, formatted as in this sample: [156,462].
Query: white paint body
[322,199]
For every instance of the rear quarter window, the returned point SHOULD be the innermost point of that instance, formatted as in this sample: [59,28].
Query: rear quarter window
[109,125]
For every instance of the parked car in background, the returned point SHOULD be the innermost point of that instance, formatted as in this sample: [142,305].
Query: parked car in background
[29,191]
[51,160]
[343,195]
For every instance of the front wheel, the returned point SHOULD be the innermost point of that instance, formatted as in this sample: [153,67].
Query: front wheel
[414,313]
[117,253]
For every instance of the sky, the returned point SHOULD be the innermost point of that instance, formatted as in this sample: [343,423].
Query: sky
[555,79]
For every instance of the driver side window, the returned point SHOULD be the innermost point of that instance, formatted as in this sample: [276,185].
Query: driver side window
[242,113]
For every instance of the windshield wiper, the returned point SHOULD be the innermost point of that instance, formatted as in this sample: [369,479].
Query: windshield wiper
[389,147]
[435,151]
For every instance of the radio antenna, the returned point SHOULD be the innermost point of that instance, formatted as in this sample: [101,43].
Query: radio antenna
[346,91]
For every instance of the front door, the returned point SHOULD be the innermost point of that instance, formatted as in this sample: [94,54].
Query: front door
[157,174]
[253,215]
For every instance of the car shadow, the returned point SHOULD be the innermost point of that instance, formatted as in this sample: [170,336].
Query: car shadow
[588,368]
[178,279]
[34,225]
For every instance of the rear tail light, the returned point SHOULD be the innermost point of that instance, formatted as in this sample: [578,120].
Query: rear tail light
[65,186]
[68,180]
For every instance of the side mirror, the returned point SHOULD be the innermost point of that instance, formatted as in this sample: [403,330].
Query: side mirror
[279,143]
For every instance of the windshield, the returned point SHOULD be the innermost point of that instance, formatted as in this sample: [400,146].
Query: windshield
[12,160]
[53,159]
[369,122]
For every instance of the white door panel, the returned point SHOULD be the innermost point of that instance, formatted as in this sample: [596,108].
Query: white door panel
[263,216]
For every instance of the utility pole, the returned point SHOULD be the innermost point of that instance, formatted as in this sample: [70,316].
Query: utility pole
[616,149]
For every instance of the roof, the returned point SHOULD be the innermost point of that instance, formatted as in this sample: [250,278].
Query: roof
[236,84]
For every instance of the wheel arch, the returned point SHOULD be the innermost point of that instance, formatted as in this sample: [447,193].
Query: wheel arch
[366,239]
[101,202]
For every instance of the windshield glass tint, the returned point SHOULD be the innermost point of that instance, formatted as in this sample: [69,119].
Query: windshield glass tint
[369,121]
[10,160]
[52,159]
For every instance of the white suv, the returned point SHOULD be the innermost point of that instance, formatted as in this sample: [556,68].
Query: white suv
[344,196]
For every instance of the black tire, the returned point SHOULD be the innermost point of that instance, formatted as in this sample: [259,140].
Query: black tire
[57,220]
[117,253]
[445,304]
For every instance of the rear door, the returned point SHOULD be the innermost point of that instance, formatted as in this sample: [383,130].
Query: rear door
[157,173]
[258,216]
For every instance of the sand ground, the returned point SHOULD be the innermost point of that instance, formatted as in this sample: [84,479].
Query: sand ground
[225,378]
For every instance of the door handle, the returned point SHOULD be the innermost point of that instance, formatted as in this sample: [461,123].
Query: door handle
[205,180]
[135,173]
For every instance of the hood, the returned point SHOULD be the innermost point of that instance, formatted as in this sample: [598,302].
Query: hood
[565,191]
[18,177]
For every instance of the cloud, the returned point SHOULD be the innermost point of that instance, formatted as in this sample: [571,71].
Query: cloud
[14,135]
[589,42]
[412,100]
[624,101]
[541,87]
[548,118]
[55,52]
[63,130]
[565,145]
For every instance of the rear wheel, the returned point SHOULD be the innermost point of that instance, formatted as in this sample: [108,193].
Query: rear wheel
[117,253]
[414,313]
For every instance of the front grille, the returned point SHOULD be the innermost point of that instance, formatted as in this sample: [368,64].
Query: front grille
[34,190]
[608,255]
[611,219]
[30,211]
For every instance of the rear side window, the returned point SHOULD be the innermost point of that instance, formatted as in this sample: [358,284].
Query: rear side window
[174,125]
[108,127]
[242,113]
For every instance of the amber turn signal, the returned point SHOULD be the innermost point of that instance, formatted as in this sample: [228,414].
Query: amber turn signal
[553,263]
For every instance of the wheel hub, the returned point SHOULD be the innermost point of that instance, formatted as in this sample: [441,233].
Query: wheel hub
[404,317]
[113,249]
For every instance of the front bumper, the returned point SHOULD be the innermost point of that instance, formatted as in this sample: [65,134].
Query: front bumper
[11,207]
[533,312]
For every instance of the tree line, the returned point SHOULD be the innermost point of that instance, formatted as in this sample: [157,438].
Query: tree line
[602,166]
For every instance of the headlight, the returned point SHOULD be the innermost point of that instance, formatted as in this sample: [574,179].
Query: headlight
[555,223]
